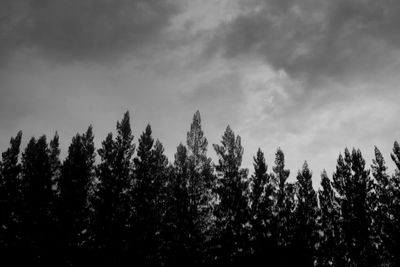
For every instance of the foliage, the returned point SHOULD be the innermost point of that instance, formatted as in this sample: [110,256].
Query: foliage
[132,206]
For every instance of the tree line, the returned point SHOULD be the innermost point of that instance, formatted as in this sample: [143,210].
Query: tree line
[133,206]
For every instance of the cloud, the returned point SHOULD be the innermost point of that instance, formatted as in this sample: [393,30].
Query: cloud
[221,95]
[319,134]
[85,30]
[313,40]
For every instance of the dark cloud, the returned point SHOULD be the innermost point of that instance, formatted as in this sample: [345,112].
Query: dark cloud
[313,39]
[84,30]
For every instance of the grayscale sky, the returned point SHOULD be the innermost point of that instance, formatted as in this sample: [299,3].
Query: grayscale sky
[310,76]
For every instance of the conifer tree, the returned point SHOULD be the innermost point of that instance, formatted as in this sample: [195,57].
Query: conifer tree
[150,164]
[38,224]
[145,211]
[284,202]
[55,166]
[232,212]
[200,184]
[113,192]
[391,196]
[305,236]
[177,219]
[354,187]
[124,168]
[382,207]
[105,196]
[158,205]
[197,154]
[10,199]
[261,207]
[329,245]
[77,174]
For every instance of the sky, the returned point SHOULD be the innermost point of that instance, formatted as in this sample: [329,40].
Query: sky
[309,76]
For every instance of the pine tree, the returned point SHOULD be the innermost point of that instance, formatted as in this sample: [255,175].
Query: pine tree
[232,212]
[55,166]
[150,212]
[160,199]
[390,197]
[329,246]
[354,186]
[123,170]
[105,197]
[382,207]
[284,203]
[261,207]
[177,219]
[150,164]
[77,174]
[9,195]
[200,184]
[113,192]
[37,199]
[305,236]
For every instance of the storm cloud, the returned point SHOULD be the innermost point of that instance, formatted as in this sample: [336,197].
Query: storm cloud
[85,30]
[310,76]
[314,40]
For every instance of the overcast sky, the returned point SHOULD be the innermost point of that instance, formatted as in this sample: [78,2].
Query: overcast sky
[310,76]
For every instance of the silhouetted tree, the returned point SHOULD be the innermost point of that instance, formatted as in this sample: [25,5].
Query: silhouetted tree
[150,165]
[77,174]
[160,184]
[177,219]
[329,245]
[388,193]
[381,207]
[305,234]
[142,210]
[232,212]
[123,171]
[285,201]
[262,200]
[10,196]
[113,192]
[354,186]
[104,199]
[38,224]
[200,182]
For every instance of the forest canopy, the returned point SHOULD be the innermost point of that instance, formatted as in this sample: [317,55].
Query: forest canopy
[135,206]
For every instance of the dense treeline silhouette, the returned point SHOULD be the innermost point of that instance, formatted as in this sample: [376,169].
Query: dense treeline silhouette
[134,207]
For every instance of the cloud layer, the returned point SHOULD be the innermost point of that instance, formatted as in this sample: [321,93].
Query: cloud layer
[85,30]
[314,40]
[311,76]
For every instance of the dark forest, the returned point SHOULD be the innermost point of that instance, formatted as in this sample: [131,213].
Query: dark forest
[126,204]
